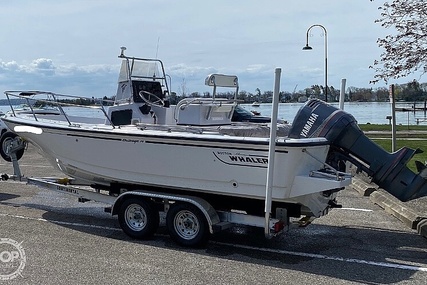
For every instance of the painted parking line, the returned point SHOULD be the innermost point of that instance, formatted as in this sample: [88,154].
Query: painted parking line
[26,165]
[326,257]
[60,222]
[268,250]
[356,209]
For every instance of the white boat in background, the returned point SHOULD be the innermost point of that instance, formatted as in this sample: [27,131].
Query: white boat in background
[256,104]
[7,135]
[192,148]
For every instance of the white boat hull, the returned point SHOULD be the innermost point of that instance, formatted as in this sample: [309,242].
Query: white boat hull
[211,163]
[193,147]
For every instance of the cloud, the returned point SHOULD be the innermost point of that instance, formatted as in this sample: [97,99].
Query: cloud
[184,70]
[42,66]
[256,68]
[42,63]
[43,74]
[77,54]
[11,65]
[98,80]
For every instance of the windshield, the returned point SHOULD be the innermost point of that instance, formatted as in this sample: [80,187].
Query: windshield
[243,112]
[139,69]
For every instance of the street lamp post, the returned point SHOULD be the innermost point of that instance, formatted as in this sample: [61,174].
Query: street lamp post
[307,47]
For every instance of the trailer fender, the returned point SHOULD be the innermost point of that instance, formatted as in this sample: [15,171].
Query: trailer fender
[210,213]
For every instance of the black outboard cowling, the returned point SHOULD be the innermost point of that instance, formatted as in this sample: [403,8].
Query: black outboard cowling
[388,170]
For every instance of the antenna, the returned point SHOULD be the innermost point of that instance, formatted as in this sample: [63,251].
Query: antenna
[157,50]
[122,53]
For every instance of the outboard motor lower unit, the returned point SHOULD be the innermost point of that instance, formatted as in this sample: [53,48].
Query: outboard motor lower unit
[348,143]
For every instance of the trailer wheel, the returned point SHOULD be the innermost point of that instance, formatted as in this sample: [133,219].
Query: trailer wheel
[138,218]
[187,225]
[5,139]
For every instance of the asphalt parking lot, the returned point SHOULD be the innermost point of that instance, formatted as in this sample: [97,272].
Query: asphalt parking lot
[67,242]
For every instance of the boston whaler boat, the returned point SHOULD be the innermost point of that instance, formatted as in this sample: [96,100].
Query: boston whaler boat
[188,160]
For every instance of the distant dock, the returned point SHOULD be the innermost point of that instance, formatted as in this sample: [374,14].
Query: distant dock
[416,107]
[413,108]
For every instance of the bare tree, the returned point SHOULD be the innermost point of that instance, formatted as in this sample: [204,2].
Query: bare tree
[183,88]
[406,50]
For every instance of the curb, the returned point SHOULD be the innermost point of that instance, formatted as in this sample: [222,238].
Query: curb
[362,187]
[396,208]
[422,228]
[391,205]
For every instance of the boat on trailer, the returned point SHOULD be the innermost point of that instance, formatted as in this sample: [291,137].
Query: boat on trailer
[181,158]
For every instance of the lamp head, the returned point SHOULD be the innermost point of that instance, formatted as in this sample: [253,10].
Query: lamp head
[307,47]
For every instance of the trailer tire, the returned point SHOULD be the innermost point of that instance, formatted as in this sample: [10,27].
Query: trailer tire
[187,225]
[138,218]
[4,140]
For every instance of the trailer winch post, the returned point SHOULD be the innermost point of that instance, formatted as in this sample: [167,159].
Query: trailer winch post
[271,153]
[13,147]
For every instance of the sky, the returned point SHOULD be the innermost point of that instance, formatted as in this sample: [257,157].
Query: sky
[72,47]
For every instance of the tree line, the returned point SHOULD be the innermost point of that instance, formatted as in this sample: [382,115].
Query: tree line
[411,91]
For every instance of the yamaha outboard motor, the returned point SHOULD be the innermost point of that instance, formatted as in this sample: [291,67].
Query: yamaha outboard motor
[348,143]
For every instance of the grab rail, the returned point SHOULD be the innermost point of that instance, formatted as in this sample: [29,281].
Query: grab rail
[184,103]
[30,96]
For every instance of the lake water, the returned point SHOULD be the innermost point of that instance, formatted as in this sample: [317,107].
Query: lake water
[364,112]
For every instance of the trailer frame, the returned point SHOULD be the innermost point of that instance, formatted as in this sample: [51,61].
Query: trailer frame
[216,220]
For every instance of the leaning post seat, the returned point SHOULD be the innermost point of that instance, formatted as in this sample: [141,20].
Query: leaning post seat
[209,111]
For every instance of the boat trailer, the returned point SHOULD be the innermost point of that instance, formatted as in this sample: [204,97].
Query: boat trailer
[190,220]
[139,219]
